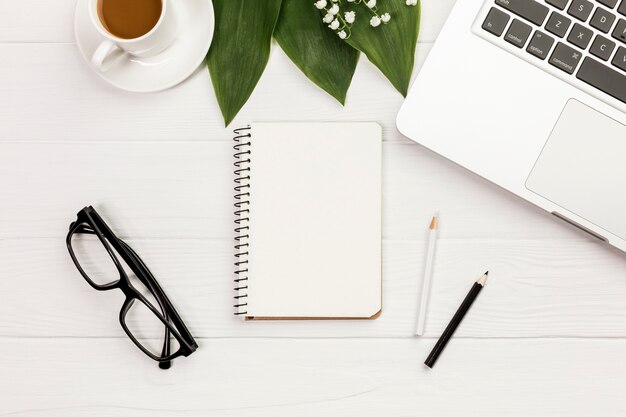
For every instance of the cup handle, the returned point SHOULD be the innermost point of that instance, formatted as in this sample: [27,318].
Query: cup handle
[103,52]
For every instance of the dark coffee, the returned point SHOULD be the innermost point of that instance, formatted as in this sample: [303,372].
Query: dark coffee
[129,19]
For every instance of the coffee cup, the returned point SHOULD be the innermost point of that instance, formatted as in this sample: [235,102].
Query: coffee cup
[140,28]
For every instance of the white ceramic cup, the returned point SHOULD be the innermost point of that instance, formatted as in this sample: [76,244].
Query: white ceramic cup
[155,41]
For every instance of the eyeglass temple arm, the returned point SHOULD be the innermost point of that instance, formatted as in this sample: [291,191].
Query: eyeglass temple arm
[161,299]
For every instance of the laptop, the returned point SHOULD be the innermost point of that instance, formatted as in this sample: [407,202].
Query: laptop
[531,95]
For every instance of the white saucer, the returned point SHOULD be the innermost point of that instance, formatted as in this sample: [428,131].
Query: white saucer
[195,23]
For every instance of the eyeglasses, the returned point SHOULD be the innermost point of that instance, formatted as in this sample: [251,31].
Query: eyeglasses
[147,315]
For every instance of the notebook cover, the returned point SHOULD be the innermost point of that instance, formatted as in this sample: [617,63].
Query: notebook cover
[314,222]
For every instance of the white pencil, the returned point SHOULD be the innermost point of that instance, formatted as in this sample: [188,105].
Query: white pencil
[428,272]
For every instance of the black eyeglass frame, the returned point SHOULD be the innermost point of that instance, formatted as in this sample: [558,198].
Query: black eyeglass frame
[89,222]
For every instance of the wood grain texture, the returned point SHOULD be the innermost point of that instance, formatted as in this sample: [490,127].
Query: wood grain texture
[43,105]
[27,21]
[369,378]
[537,288]
[185,190]
[545,338]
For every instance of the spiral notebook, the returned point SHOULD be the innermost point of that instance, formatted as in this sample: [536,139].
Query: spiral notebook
[308,221]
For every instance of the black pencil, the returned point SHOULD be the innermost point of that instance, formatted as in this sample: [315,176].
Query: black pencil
[454,323]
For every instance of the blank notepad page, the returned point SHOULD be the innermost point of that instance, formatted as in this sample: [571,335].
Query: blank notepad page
[315,220]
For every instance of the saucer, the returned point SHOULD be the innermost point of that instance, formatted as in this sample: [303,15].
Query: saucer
[195,23]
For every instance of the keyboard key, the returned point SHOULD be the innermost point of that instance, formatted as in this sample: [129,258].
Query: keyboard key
[603,78]
[580,9]
[602,20]
[558,24]
[540,45]
[559,4]
[527,9]
[619,60]
[496,21]
[602,47]
[580,36]
[608,3]
[565,58]
[619,32]
[518,33]
[622,8]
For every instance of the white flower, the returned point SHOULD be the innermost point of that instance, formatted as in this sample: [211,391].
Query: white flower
[370,3]
[320,4]
[352,1]
[328,18]
[385,18]
[409,2]
[333,10]
[349,16]
[334,25]
[342,34]
[334,1]
[375,21]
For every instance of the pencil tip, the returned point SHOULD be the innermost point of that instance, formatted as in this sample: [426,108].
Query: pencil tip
[482,280]
[487,273]
[433,223]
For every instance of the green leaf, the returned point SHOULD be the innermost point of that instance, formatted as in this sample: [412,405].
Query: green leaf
[319,53]
[240,50]
[391,46]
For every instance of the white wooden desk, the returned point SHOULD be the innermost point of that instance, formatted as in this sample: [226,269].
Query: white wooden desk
[546,338]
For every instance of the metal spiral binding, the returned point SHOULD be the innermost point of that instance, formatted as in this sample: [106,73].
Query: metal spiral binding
[242,216]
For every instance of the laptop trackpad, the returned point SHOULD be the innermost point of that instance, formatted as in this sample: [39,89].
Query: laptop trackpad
[582,167]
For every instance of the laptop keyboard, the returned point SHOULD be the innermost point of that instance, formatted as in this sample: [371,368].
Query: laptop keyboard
[584,39]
